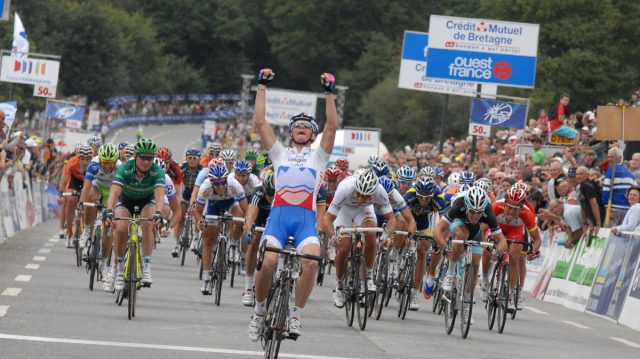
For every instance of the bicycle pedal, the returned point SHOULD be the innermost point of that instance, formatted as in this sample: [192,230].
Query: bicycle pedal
[146,285]
[292,336]
[174,255]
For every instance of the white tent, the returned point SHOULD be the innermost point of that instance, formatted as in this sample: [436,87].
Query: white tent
[359,156]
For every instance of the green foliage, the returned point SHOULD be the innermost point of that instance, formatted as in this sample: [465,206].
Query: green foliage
[112,47]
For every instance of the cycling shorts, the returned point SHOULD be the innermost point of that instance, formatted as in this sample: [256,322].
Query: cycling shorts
[75,184]
[286,221]
[129,203]
[186,194]
[477,237]
[350,216]
[103,192]
[220,207]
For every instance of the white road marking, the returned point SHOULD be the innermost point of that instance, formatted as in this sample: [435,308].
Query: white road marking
[54,240]
[39,259]
[627,342]
[536,310]
[3,310]
[12,292]
[49,244]
[44,250]
[23,278]
[577,325]
[32,266]
[159,346]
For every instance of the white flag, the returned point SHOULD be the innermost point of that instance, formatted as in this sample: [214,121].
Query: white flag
[20,45]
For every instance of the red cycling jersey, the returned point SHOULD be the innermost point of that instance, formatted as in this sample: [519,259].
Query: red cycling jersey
[514,229]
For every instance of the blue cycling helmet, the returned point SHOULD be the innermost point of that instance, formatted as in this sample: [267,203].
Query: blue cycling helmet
[467,177]
[387,183]
[406,173]
[192,152]
[425,187]
[304,117]
[217,171]
[380,168]
[438,171]
[242,166]
[122,145]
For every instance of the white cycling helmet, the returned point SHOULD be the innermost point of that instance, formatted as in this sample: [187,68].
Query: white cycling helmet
[483,183]
[427,172]
[454,178]
[476,199]
[228,155]
[367,183]
[160,163]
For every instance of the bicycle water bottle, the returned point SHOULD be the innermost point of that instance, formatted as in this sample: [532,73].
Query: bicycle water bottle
[280,265]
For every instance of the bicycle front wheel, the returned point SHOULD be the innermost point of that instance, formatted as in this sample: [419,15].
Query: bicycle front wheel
[450,310]
[407,285]
[77,248]
[492,292]
[361,296]
[466,300]
[220,266]
[131,282]
[232,256]
[503,298]
[281,312]
[350,292]
[437,290]
[382,283]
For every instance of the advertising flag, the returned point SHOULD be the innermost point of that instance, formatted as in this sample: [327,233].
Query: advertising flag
[20,45]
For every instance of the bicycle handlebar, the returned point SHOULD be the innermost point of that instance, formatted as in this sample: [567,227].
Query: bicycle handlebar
[401,233]
[293,252]
[69,194]
[361,230]
[259,229]
[223,218]
[141,219]
[91,204]
[473,243]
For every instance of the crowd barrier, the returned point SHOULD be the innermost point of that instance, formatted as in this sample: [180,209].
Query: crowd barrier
[23,204]
[599,276]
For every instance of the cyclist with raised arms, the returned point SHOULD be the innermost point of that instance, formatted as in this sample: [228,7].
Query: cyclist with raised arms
[221,194]
[138,183]
[297,177]
[96,187]
[189,169]
[257,214]
[513,216]
[352,205]
[463,220]
[72,179]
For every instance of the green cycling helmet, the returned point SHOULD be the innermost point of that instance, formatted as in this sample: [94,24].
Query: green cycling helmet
[251,155]
[145,146]
[108,152]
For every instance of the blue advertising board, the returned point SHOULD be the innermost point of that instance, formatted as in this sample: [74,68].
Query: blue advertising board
[64,111]
[498,113]
[482,50]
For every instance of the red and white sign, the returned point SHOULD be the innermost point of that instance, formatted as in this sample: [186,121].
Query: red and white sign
[44,91]
[29,71]
[476,129]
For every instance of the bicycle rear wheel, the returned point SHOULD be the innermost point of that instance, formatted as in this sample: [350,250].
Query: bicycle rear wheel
[361,297]
[382,283]
[232,254]
[407,285]
[94,253]
[77,248]
[492,303]
[516,298]
[279,319]
[467,300]
[503,298]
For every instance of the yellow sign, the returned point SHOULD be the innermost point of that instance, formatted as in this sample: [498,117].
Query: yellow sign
[561,140]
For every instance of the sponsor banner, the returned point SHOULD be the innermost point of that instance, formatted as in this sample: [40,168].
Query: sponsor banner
[629,315]
[29,71]
[65,141]
[540,285]
[482,50]
[10,109]
[354,137]
[281,105]
[498,113]
[614,275]
[64,111]
[413,67]
[535,267]
[574,273]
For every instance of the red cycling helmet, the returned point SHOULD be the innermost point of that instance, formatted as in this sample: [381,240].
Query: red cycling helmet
[164,153]
[516,196]
[332,172]
[342,164]
[525,187]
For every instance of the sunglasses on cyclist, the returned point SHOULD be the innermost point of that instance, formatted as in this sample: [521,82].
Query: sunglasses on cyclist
[475,213]
[424,196]
[218,183]
[192,157]
[86,158]
[145,158]
[305,124]
[108,162]
[408,183]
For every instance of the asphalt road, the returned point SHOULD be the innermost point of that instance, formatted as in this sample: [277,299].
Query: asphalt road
[47,311]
